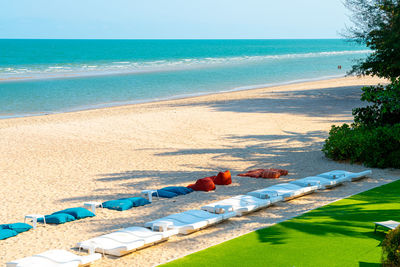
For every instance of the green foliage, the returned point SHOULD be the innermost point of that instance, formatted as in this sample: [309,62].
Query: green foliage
[391,248]
[374,137]
[375,147]
[385,108]
[376,23]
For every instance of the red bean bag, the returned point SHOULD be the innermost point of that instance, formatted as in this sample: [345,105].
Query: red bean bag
[223,178]
[252,173]
[270,174]
[281,171]
[265,173]
[204,184]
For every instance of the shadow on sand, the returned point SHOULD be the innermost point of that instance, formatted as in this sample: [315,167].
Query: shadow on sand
[258,150]
[327,102]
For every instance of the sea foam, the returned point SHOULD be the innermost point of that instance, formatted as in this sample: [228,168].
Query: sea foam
[125,67]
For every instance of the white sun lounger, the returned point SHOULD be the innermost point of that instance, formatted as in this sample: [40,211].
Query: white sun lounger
[188,221]
[286,190]
[345,175]
[55,258]
[241,204]
[322,183]
[124,241]
[387,224]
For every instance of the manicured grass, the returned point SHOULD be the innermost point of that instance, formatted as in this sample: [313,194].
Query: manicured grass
[339,234]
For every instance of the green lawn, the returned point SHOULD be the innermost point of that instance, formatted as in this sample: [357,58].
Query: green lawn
[339,234]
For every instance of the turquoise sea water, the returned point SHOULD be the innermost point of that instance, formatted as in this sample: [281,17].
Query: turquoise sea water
[49,76]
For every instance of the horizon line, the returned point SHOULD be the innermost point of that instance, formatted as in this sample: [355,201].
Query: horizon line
[32,38]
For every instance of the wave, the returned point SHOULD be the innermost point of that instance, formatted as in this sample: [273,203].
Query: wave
[10,73]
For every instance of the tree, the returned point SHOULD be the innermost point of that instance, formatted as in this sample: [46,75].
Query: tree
[376,24]
[374,137]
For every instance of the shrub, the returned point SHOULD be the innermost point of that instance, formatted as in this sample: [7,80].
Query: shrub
[391,248]
[375,147]
[385,107]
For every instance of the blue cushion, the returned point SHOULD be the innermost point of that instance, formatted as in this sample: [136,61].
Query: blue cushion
[165,193]
[118,204]
[78,213]
[58,218]
[179,190]
[19,227]
[138,201]
[6,233]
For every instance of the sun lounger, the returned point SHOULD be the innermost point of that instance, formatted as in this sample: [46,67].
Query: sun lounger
[55,258]
[241,204]
[124,241]
[188,221]
[286,190]
[387,224]
[345,175]
[322,183]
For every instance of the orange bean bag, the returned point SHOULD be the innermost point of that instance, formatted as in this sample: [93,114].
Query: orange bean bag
[204,184]
[223,178]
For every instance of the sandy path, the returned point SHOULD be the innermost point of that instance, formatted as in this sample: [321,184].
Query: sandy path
[49,163]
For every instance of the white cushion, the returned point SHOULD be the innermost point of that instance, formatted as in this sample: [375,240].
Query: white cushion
[123,241]
[191,220]
[54,257]
[240,204]
[321,182]
[285,190]
[344,175]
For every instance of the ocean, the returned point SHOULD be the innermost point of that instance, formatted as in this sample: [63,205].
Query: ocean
[50,76]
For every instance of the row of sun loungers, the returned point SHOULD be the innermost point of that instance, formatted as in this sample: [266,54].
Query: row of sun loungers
[127,240]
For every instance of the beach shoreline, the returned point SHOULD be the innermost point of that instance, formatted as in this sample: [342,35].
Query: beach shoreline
[170,98]
[59,161]
[189,97]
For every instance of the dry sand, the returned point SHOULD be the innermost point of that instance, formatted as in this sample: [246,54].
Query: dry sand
[53,162]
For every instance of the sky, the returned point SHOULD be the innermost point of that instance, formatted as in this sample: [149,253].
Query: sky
[172,19]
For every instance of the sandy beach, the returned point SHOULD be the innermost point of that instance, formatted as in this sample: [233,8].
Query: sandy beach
[59,161]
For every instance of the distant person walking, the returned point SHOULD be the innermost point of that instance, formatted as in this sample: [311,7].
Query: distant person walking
[339,67]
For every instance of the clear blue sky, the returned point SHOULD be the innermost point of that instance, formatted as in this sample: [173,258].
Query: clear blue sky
[171,18]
